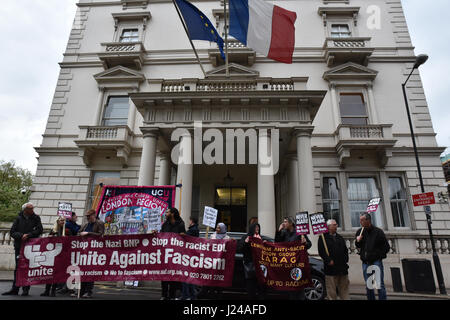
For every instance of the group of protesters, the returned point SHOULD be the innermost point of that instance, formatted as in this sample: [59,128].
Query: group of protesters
[370,240]
[28,225]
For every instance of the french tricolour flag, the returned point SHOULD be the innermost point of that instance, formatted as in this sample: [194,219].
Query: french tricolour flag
[264,27]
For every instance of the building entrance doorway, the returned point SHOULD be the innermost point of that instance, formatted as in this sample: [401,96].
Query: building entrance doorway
[231,202]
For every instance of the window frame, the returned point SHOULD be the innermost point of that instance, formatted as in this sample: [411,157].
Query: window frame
[340,32]
[121,36]
[407,201]
[365,102]
[105,106]
[381,208]
[339,200]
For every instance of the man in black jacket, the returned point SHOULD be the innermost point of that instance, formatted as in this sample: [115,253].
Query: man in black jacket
[174,224]
[188,290]
[27,225]
[335,262]
[373,247]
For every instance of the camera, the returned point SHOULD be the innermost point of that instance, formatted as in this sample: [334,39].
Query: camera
[23,190]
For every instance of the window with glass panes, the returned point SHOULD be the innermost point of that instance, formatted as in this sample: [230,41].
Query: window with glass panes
[399,202]
[129,35]
[340,31]
[353,109]
[331,199]
[360,192]
[116,111]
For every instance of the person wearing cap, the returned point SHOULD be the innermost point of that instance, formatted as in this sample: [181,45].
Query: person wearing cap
[92,227]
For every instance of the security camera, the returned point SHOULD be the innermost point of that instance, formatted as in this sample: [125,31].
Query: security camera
[23,190]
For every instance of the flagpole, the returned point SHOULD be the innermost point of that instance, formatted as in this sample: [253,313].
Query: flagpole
[187,33]
[226,37]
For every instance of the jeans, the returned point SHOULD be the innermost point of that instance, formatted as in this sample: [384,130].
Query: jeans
[188,291]
[381,288]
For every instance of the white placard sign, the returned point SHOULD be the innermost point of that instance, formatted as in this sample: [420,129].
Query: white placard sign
[210,217]
[154,220]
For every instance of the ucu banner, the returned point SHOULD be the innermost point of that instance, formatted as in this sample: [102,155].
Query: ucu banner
[158,257]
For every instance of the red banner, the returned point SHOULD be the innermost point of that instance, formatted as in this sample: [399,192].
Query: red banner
[281,266]
[160,257]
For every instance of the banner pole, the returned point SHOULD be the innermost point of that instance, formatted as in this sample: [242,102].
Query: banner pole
[181,192]
[187,33]
[325,244]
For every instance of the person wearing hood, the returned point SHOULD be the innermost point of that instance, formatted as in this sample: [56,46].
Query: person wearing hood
[254,289]
[221,232]
[27,225]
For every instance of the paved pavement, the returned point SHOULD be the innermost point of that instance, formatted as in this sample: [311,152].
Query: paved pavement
[110,291]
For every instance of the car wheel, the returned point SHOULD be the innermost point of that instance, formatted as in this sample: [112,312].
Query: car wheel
[317,292]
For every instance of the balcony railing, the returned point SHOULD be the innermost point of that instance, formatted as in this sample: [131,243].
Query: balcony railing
[130,54]
[422,244]
[97,138]
[364,133]
[230,85]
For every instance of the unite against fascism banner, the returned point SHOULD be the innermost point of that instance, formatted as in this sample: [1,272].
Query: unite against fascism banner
[129,209]
[158,257]
[281,266]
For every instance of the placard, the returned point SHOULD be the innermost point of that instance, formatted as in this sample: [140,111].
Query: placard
[154,220]
[318,223]
[210,217]
[302,223]
[373,205]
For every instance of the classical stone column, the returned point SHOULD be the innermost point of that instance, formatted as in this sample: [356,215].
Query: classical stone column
[164,169]
[266,188]
[307,196]
[148,157]
[185,176]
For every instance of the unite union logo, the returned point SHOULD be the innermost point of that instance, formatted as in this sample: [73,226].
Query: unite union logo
[44,260]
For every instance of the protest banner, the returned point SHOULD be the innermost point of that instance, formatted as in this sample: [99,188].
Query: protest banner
[65,210]
[138,257]
[302,223]
[281,266]
[126,209]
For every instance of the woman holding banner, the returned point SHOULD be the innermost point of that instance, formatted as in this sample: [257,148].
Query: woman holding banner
[286,233]
[221,232]
[254,289]
[57,231]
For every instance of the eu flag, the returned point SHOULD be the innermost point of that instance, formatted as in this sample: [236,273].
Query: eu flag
[198,25]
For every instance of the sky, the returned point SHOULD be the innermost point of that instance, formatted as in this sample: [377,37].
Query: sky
[35,35]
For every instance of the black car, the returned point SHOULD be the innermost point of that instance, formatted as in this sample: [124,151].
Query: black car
[317,292]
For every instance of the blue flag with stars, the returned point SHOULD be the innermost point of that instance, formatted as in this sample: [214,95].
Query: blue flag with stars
[198,25]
